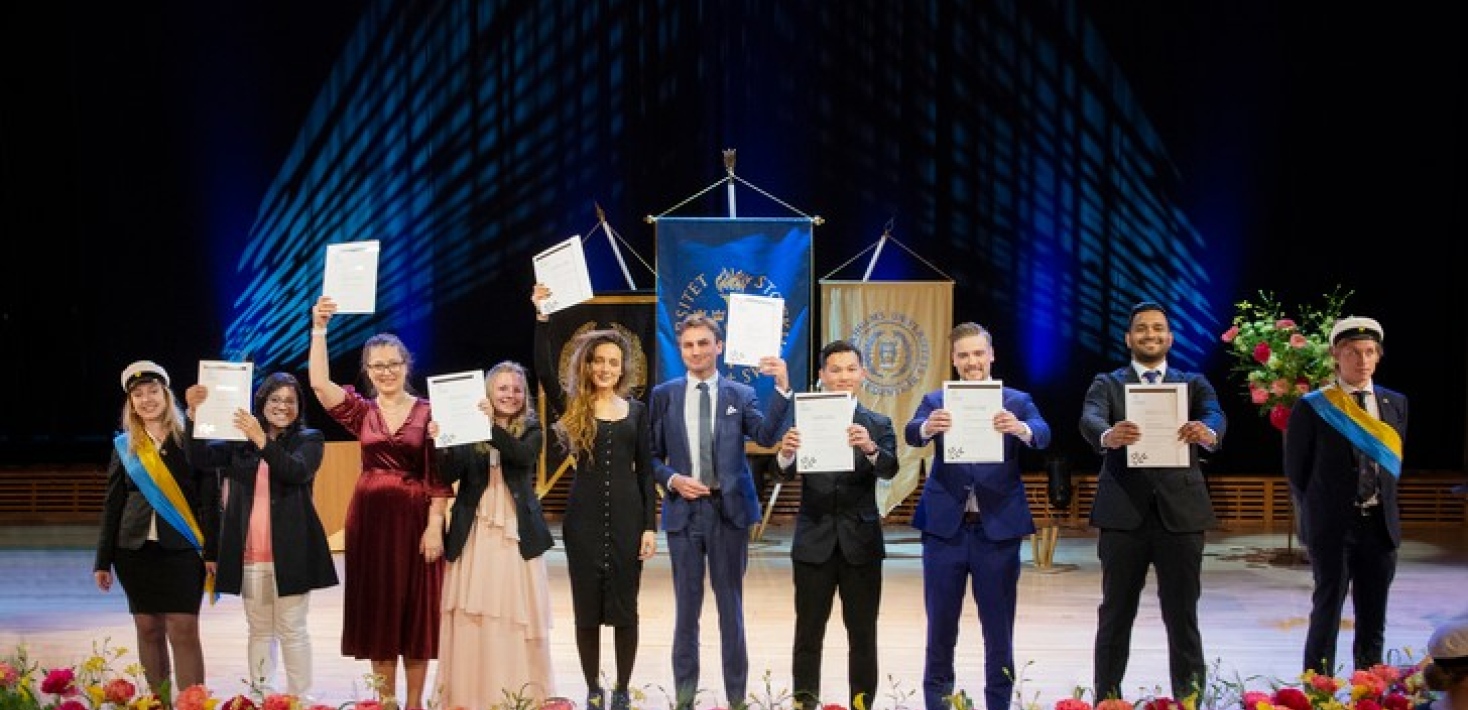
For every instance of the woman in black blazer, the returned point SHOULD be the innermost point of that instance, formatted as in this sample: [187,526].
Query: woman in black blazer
[494,639]
[272,546]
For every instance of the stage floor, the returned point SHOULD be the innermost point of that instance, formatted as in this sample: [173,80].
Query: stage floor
[1253,618]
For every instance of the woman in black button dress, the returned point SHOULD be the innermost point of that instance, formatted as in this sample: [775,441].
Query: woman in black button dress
[611,514]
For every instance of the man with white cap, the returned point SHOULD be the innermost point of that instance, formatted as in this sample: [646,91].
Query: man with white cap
[1448,671]
[1342,456]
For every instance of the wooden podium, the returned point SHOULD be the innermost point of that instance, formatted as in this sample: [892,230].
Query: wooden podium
[340,468]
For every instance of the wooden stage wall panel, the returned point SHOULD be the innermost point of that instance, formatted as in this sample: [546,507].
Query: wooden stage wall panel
[74,495]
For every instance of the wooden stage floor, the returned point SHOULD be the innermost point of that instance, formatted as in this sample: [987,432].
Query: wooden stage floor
[1253,618]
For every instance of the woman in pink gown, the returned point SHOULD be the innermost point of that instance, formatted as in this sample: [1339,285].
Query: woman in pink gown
[495,634]
[395,520]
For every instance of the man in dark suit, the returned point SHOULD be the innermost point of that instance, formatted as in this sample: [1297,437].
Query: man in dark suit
[838,544]
[1342,456]
[1150,516]
[973,518]
[699,424]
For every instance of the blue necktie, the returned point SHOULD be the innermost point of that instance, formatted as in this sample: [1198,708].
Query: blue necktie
[1151,376]
[706,437]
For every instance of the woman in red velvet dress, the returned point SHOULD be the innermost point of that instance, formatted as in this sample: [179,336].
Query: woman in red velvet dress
[395,521]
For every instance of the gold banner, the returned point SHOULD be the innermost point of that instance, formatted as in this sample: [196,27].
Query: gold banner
[901,328]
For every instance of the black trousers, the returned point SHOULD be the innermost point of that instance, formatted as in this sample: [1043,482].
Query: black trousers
[1362,563]
[816,586]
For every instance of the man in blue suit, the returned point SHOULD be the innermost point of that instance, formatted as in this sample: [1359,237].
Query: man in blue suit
[973,517]
[1150,516]
[838,544]
[1342,456]
[710,501]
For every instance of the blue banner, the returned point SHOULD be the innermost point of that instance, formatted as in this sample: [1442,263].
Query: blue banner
[700,261]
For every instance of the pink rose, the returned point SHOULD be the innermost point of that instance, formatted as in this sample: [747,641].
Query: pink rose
[1325,683]
[1257,394]
[118,691]
[1292,698]
[8,675]
[559,704]
[1298,341]
[72,704]
[1261,353]
[1230,334]
[1279,386]
[1073,703]
[1284,324]
[59,681]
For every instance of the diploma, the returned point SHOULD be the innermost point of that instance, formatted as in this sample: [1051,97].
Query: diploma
[229,391]
[562,268]
[972,437]
[351,276]
[1159,411]
[752,330]
[455,399]
[823,418]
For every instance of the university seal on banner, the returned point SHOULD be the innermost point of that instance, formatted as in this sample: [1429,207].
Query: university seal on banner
[897,352]
[698,297]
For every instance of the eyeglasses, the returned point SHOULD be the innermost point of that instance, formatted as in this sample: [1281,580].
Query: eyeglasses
[385,367]
[282,401]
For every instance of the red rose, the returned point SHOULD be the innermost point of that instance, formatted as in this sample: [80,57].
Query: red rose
[118,691]
[59,681]
[1261,353]
[1292,698]
[239,702]
[1396,701]
[1279,417]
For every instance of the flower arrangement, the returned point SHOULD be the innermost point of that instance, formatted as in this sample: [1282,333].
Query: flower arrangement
[1279,358]
[94,685]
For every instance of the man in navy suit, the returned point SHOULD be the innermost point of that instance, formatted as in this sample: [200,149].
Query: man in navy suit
[973,517]
[710,499]
[838,544]
[1150,516]
[1342,456]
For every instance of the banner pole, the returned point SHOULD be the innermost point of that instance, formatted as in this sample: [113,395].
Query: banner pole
[877,254]
[601,223]
[729,168]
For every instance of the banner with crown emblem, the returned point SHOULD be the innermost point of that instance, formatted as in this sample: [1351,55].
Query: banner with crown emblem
[702,260]
[901,329]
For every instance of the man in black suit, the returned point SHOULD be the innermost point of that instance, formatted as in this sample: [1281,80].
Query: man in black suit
[838,545]
[1342,456]
[1150,516]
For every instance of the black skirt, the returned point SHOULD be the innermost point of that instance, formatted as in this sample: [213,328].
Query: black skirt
[160,581]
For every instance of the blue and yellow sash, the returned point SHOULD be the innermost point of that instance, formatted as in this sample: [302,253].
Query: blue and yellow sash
[1374,437]
[158,485]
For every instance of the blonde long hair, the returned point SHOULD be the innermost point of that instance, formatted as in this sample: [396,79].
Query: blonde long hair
[132,424]
[576,431]
[520,420]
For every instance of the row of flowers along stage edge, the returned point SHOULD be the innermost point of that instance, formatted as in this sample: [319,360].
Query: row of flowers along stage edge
[93,684]
[1279,358]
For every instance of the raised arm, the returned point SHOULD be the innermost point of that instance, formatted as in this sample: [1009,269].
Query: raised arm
[327,392]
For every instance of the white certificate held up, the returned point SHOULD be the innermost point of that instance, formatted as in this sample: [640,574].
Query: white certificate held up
[973,438]
[752,329]
[455,399]
[1159,411]
[562,268]
[229,390]
[351,276]
[823,418]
